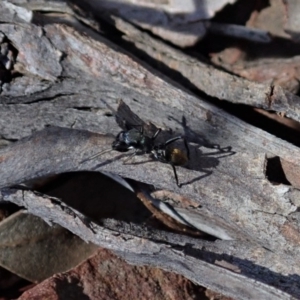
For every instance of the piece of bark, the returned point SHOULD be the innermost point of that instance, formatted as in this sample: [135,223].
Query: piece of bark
[216,128]
[231,88]
[184,261]
[41,51]
[281,72]
[10,12]
[180,23]
[203,76]
[231,185]
[53,156]
[49,153]
[45,139]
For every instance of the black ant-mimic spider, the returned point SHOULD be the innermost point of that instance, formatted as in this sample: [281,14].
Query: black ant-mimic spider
[133,137]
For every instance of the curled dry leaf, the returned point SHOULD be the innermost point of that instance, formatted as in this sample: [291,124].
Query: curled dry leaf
[35,251]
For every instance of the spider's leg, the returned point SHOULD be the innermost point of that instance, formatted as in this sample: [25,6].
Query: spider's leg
[175,175]
[187,148]
[172,140]
[156,134]
[96,155]
[130,157]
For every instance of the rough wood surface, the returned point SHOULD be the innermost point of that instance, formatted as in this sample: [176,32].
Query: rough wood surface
[181,23]
[230,88]
[63,86]
[153,250]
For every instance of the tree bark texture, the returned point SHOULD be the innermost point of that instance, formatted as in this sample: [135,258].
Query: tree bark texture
[53,115]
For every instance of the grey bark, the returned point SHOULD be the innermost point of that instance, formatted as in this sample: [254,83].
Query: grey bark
[63,86]
[158,249]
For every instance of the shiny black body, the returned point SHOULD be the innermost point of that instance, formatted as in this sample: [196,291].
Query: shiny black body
[140,137]
[134,139]
[137,140]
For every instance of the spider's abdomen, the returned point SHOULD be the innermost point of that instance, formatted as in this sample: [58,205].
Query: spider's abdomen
[176,156]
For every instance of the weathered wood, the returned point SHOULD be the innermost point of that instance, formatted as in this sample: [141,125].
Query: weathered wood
[203,76]
[182,24]
[152,251]
[225,177]
[47,152]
